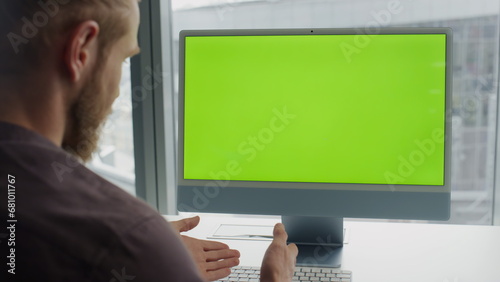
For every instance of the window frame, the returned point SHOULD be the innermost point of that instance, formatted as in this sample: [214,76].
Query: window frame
[496,178]
[152,88]
[496,169]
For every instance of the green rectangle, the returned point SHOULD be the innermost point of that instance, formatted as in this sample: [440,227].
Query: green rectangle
[316,108]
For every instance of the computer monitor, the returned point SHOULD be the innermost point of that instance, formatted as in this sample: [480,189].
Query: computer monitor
[316,125]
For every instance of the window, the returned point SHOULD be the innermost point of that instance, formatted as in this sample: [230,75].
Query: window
[476,56]
[114,159]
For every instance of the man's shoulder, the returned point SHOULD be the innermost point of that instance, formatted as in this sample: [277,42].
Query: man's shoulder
[51,182]
[80,222]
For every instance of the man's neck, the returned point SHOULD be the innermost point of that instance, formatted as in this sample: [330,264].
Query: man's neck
[37,108]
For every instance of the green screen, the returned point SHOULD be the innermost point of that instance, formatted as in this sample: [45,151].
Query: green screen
[315,108]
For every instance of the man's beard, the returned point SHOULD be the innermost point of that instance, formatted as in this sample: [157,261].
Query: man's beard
[87,118]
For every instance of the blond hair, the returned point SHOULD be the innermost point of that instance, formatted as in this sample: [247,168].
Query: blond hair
[28,28]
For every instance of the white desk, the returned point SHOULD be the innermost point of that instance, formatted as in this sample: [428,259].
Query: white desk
[398,252]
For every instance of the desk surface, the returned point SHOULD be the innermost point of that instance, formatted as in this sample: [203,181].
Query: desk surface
[396,252]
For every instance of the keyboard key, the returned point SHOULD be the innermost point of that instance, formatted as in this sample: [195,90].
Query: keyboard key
[326,270]
[316,270]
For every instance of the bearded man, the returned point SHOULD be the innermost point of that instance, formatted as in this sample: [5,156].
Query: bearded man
[60,68]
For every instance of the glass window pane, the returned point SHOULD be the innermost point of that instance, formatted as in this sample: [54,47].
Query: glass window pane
[114,159]
[476,53]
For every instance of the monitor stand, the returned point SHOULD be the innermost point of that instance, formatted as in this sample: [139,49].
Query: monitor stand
[319,239]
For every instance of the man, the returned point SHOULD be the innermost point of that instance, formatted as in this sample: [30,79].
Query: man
[60,63]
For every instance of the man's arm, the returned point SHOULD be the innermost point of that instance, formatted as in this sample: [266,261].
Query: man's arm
[151,251]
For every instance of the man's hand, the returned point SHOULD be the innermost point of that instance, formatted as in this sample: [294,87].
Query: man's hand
[279,261]
[214,259]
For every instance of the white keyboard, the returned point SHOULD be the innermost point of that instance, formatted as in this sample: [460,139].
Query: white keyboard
[246,273]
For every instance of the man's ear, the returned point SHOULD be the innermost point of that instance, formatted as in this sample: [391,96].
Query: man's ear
[81,48]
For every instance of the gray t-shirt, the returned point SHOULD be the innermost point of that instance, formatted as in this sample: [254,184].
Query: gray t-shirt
[73,225]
